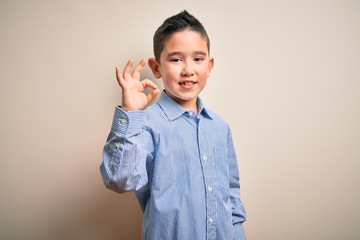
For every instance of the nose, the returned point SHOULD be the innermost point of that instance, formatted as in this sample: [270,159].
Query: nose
[187,70]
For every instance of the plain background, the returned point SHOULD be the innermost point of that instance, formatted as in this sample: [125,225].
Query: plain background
[286,78]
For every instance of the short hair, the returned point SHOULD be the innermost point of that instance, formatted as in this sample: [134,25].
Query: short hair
[177,23]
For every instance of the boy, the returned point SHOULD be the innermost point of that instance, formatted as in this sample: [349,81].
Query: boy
[177,155]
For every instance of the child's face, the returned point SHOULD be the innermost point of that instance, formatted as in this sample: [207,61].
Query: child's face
[184,67]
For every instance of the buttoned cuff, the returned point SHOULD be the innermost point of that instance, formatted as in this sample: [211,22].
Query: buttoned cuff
[127,123]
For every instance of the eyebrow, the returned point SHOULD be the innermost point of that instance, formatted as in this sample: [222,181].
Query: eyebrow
[170,54]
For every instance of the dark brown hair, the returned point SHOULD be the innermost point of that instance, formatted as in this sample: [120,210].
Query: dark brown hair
[177,23]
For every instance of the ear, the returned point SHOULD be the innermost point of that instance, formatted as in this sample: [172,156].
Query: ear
[155,67]
[210,65]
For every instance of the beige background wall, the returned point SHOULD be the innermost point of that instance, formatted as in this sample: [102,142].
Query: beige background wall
[286,78]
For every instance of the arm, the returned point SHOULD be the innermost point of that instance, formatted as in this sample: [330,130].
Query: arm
[128,149]
[238,210]
[129,146]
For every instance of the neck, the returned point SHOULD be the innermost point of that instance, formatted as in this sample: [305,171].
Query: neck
[188,105]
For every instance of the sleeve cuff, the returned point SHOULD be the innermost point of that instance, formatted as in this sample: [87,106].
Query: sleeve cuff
[127,122]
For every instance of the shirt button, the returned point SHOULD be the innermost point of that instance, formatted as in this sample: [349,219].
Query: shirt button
[204,157]
[123,121]
[117,145]
[210,189]
[211,221]
[191,113]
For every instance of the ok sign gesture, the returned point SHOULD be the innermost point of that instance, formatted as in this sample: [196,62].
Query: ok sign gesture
[133,96]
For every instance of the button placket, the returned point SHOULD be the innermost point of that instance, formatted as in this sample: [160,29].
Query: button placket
[208,174]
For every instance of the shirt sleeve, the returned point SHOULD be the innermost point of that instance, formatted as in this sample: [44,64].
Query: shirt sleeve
[238,210]
[126,152]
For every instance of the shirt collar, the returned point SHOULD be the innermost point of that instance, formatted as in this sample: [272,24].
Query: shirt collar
[173,110]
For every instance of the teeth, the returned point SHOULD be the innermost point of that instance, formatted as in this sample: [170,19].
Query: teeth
[187,83]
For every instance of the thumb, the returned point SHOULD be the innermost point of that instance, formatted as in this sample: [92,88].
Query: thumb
[152,95]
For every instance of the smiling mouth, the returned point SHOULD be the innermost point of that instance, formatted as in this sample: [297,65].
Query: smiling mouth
[187,83]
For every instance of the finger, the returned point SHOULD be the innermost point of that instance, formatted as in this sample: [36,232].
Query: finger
[152,95]
[119,76]
[138,69]
[149,84]
[127,69]
[146,83]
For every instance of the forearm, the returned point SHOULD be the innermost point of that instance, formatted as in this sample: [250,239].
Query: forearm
[238,210]
[124,160]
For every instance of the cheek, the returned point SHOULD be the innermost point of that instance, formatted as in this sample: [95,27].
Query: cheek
[171,73]
[205,73]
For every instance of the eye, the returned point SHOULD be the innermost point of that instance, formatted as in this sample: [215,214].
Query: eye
[175,60]
[198,59]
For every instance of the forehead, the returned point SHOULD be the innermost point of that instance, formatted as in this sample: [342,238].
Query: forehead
[185,41]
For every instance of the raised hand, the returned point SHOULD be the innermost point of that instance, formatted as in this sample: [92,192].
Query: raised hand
[133,96]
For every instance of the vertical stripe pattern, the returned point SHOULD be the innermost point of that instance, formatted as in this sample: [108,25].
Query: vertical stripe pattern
[182,168]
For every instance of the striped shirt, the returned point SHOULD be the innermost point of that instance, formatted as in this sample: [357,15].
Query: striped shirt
[182,167]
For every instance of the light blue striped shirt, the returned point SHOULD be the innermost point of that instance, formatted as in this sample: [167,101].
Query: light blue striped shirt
[182,167]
